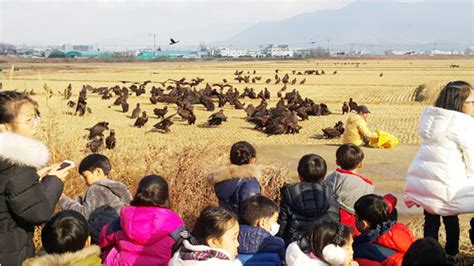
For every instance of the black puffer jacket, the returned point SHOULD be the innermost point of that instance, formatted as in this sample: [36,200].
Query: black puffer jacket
[24,200]
[301,204]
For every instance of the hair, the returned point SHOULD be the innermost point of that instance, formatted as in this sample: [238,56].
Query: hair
[325,232]
[255,208]
[453,96]
[94,161]
[348,156]
[312,168]
[242,153]
[11,103]
[417,251]
[67,231]
[373,209]
[213,222]
[152,191]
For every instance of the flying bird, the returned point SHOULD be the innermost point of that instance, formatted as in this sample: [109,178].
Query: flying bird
[172,41]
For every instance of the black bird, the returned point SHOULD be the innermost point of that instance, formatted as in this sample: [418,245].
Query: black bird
[96,144]
[161,112]
[334,132]
[125,107]
[141,121]
[110,141]
[172,41]
[217,118]
[136,112]
[98,129]
[165,124]
[345,108]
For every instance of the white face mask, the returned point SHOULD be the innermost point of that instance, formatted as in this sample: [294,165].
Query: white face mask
[274,230]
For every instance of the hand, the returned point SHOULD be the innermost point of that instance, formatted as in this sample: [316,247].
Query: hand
[44,171]
[353,263]
[61,174]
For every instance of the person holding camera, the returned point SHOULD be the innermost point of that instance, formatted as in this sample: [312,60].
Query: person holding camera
[27,195]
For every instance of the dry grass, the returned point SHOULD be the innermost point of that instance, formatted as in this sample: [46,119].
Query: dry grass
[185,155]
[390,97]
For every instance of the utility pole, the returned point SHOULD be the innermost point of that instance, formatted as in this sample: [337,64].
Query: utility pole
[154,42]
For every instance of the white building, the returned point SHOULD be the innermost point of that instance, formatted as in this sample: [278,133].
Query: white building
[233,53]
[278,51]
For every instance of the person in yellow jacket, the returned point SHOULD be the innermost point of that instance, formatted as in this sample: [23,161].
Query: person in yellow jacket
[357,131]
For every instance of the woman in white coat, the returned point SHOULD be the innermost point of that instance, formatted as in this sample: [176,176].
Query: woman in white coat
[441,178]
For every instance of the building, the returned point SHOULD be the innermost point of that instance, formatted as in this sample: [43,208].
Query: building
[231,53]
[80,47]
[277,51]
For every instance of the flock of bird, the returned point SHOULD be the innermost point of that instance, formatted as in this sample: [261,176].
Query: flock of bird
[283,118]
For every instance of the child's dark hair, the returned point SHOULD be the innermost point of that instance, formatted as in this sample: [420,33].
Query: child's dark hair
[95,161]
[348,156]
[10,104]
[325,232]
[67,231]
[373,209]
[453,96]
[213,222]
[242,153]
[255,208]
[312,168]
[425,251]
[152,191]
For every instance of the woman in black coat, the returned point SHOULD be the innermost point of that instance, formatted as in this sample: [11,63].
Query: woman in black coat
[27,196]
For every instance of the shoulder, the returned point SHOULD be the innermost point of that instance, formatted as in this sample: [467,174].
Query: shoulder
[234,172]
[66,258]
[23,151]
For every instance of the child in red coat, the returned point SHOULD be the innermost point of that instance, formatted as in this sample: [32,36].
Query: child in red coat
[382,240]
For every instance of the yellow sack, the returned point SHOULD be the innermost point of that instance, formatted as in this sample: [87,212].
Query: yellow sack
[384,141]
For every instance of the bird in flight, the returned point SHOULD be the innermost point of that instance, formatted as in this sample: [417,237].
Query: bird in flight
[172,41]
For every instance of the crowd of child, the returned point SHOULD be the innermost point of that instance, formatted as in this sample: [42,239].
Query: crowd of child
[333,219]
[320,221]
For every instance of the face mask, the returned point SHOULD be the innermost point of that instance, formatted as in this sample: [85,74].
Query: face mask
[275,228]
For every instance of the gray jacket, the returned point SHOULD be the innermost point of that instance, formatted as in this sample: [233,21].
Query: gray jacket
[103,192]
[348,189]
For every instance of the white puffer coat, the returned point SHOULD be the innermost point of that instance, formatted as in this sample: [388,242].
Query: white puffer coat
[441,178]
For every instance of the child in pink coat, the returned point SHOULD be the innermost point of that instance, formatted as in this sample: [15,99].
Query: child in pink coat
[146,231]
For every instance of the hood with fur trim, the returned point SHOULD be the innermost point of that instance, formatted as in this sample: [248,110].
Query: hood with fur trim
[23,151]
[86,256]
[234,172]
[178,261]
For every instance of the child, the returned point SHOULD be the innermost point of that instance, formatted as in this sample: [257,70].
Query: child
[65,239]
[348,186]
[146,230]
[101,191]
[307,200]
[213,242]
[258,225]
[418,251]
[382,241]
[327,243]
[235,183]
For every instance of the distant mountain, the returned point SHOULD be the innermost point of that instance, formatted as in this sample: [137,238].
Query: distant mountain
[448,24]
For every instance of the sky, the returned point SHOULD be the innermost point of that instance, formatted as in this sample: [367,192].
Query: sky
[122,24]
[116,24]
